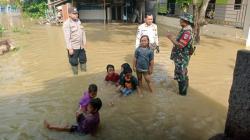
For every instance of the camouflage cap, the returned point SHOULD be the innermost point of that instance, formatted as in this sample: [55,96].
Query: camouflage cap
[187,17]
[72,10]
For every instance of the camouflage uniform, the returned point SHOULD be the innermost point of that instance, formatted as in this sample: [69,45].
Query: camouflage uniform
[181,56]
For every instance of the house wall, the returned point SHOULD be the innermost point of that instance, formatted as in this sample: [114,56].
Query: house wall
[227,12]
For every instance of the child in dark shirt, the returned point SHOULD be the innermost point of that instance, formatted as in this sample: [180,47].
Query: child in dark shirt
[86,124]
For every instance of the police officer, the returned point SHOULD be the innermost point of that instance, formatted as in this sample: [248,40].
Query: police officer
[182,51]
[75,41]
[150,29]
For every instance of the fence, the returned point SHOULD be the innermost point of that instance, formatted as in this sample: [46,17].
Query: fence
[225,14]
[9,9]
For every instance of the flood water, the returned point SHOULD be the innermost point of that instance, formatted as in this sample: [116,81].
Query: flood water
[36,83]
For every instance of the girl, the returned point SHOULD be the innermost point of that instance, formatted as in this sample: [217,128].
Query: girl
[144,61]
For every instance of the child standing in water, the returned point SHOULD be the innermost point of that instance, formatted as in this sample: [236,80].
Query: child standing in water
[86,123]
[111,75]
[144,61]
[87,96]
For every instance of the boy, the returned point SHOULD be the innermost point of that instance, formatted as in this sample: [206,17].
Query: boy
[86,124]
[111,75]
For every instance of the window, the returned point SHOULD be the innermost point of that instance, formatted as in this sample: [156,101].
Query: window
[237,4]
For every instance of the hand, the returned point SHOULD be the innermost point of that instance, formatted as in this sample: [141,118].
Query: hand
[169,35]
[157,49]
[78,113]
[71,51]
[150,71]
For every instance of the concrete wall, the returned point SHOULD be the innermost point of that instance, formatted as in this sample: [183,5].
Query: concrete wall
[247,20]
[238,118]
[91,14]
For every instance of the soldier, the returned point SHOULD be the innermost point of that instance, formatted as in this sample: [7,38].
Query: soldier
[182,51]
[75,40]
[150,29]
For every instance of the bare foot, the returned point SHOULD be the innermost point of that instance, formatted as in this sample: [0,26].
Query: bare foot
[46,124]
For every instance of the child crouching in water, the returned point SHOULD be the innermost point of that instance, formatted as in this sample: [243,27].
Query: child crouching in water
[86,123]
[128,83]
[144,61]
[111,75]
[87,96]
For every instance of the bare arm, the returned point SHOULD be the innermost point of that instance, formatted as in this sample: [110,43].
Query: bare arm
[138,36]
[156,37]
[151,66]
[134,64]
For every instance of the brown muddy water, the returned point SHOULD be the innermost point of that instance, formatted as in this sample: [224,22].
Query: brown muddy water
[36,83]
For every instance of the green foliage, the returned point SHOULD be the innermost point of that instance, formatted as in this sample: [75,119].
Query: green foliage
[2,29]
[162,8]
[35,9]
[20,30]
[221,1]
[184,4]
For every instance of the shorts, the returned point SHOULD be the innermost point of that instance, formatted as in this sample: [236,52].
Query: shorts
[77,127]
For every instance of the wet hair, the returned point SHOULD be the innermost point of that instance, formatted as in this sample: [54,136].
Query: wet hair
[96,103]
[125,66]
[92,88]
[148,14]
[110,66]
[146,37]
[128,70]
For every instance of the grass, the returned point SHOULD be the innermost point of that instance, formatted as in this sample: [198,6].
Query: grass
[20,30]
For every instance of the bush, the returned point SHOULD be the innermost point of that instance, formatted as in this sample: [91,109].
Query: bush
[35,9]
[2,29]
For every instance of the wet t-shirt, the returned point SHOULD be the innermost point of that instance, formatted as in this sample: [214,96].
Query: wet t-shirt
[89,123]
[129,83]
[84,101]
[113,78]
[143,57]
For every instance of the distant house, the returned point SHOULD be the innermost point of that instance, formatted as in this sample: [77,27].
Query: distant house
[110,10]
[114,10]
[231,11]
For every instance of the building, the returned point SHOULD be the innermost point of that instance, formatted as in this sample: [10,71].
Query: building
[231,11]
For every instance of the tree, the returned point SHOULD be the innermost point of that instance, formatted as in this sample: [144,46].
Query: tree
[199,11]
[184,4]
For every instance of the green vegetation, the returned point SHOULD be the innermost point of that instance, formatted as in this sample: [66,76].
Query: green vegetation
[162,8]
[184,4]
[35,9]
[20,30]
[221,1]
[2,29]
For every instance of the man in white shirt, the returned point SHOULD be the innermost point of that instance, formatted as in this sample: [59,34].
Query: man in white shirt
[150,29]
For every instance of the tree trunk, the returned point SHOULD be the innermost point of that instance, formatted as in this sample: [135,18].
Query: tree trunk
[199,11]
[196,24]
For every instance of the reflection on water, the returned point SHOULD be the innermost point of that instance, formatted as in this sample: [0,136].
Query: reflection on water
[36,84]
[9,20]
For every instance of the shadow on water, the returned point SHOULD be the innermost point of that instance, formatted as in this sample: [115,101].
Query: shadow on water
[164,114]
